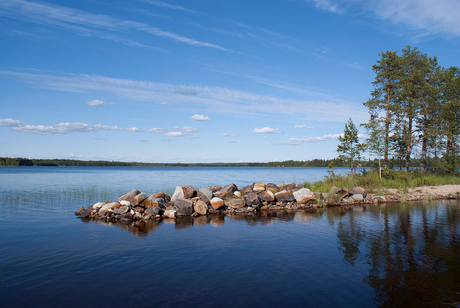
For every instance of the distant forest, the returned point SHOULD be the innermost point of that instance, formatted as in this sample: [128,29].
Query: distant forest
[17,162]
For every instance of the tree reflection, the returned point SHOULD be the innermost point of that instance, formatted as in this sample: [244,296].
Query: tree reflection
[414,260]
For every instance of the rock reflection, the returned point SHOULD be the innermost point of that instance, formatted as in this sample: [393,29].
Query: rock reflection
[144,227]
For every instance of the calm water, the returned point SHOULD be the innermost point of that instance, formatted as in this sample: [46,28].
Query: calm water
[378,256]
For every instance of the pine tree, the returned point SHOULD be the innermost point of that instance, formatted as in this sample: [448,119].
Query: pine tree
[382,105]
[349,148]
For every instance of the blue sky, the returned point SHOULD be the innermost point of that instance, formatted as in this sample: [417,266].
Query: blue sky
[200,81]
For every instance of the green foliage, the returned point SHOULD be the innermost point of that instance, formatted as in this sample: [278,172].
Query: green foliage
[415,103]
[349,148]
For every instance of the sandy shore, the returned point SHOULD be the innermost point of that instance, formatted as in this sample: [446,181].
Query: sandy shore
[432,190]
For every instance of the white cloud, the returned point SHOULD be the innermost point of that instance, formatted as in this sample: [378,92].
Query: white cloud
[186,92]
[228,135]
[166,103]
[425,16]
[59,128]
[220,100]
[200,117]
[133,129]
[303,126]
[297,141]
[193,137]
[432,16]
[97,102]
[167,5]
[87,24]
[157,130]
[174,134]
[187,129]
[265,130]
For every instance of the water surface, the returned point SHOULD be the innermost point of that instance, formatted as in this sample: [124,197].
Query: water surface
[401,255]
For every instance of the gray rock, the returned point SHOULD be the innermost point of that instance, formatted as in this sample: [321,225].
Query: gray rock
[184,206]
[79,210]
[83,214]
[206,192]
[303,195]
[152,211]
[121,210]
[358,197]
[284,196]
[251,198]
[267,196]
[215,188]
[229,188]
[235,203]
[183,192]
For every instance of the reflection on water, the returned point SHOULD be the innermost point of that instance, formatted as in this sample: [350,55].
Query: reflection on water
[412,250]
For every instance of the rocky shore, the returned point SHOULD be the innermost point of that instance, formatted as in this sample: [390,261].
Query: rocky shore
[187,201]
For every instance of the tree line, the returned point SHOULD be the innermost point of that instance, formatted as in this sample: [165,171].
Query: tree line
[415,103]
[17,162]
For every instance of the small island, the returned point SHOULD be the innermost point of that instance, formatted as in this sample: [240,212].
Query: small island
[188,201]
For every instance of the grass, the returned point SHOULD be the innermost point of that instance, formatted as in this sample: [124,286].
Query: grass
[84,195]
[390,179]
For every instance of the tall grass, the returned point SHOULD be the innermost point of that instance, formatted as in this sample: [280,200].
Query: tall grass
[371,181]
[80,195]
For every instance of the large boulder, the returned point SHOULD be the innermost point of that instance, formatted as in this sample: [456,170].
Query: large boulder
[267,196]
[229,188]
[272,187]
[162,196]
[184,206]
[130,196]
[121,210]
[109,206]
[235,203]
[217,203]
[139,198]
[303,195]
[200,207]
[258,187]
[215,188]
[205,194]
[183,192]
[284,196]
[357,191]
[251,199]
[153,202]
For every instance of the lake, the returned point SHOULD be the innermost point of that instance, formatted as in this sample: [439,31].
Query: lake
[394,255]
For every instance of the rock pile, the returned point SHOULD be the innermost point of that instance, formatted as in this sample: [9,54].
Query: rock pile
[187,201]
